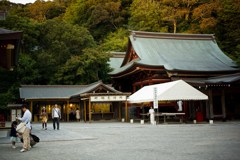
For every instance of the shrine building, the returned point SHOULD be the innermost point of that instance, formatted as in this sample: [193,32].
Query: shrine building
[9,51]
[153,58]
[96,101]
[9,48]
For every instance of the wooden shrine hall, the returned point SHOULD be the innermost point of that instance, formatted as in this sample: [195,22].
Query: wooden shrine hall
[96,101]
[154,58]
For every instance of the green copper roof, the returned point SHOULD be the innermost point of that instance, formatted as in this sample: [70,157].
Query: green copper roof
[116,60]
[59,91]
[178,52]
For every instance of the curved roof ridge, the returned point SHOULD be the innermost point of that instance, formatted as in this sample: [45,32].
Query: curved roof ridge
[162,35]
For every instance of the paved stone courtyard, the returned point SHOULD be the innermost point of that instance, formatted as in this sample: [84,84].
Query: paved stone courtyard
[119,141]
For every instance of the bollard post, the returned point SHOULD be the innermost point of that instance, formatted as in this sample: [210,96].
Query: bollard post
[194,121]
[210,121]
[131,120]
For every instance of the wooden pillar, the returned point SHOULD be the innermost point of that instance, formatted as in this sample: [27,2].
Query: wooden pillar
[119,111]
[185,109]
[31,107]
[143,112]
[223,104]
[90,110]
[134,88]
[126,111]
[207,110]
[67,110]
[211,104]
[85,111]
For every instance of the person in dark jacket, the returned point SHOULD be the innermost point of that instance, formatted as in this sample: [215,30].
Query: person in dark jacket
[14,135]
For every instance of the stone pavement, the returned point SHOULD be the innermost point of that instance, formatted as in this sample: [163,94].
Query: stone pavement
[118,141]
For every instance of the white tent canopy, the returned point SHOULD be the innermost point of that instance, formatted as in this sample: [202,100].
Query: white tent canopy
[171,91]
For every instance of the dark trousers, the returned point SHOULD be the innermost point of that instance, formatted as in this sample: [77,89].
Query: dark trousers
[44,124]
[55,120]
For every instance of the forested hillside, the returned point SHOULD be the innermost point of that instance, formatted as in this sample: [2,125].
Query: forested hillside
[67,41]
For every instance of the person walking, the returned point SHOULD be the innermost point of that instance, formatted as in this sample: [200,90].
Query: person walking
[44,118]
[152,116]
[78,115]
[27,117]
[56,116]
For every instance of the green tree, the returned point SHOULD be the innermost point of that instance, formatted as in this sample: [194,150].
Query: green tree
[62,39]
[177,12]
[41,10]
[87,68]
[116,41]
[147,16]
[59,41]
[27,70]
[46,65]
[204,16]
[99,16]
[228,29]
[96,65]
[8,80]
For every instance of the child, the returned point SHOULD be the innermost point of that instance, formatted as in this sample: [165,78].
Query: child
[14,135]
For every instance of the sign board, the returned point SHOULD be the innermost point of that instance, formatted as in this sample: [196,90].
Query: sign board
[15,113]
[155,99]
[107,98]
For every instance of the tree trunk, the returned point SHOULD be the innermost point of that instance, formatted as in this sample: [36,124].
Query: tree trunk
[174,26]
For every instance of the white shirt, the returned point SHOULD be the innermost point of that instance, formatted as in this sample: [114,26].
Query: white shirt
[56,113]
[27,117]
[77,113]
[180,106]
[151,111]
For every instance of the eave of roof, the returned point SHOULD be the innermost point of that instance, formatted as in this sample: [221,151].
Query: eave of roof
[217,80]
[104,94]
[231,78]
[133,67]
[6,34]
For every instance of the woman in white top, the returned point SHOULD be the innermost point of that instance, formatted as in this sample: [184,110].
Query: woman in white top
[78,115]
[152,117]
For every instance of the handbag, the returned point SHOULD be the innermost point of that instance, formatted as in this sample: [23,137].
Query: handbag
[21,127]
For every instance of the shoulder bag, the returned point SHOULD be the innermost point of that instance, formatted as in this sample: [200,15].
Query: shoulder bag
[21,127]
